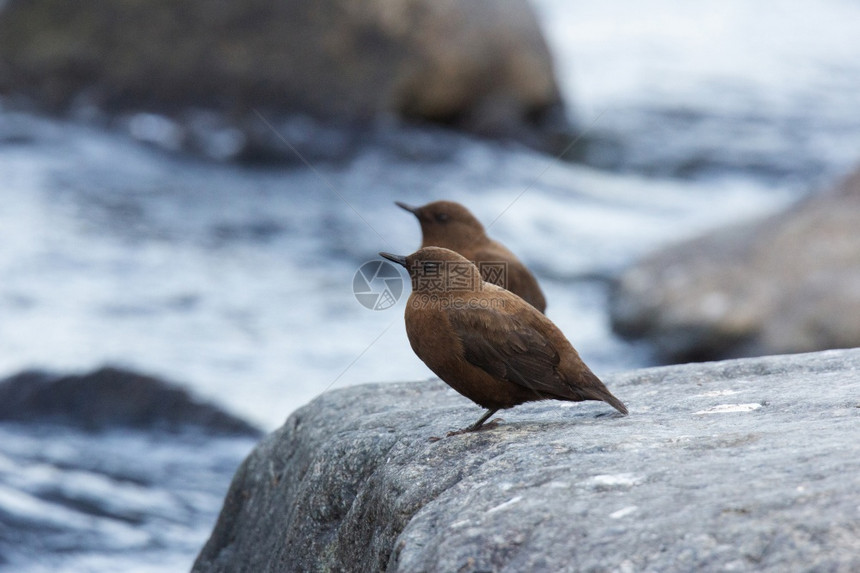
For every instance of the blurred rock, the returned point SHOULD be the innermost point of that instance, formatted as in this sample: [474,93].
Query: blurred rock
[111,398]
[789,283]
[750,465]
[480,65]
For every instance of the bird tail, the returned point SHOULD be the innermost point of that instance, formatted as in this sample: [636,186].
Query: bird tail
[595,390]
[614,402]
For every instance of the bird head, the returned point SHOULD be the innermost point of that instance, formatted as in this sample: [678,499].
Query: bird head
[446,224]
[439,271]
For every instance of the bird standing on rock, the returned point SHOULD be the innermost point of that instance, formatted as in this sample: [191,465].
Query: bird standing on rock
[487,343]
[450,225]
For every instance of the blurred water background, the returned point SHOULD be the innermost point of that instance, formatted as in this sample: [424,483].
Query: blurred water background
[236,281]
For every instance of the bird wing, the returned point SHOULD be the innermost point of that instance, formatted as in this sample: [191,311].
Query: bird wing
[509,348]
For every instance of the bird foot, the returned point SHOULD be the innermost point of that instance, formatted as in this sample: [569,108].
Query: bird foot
[487,426]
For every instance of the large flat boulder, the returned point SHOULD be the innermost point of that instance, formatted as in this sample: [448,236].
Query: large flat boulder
[748,465]
[477,64]
[788,283]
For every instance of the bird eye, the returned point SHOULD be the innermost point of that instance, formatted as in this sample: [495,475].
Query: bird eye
[442,217]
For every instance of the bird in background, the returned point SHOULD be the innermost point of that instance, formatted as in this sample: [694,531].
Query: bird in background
[450,225]
[487,343]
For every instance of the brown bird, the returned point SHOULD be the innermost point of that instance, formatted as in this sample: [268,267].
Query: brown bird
[487,343]
[450,225]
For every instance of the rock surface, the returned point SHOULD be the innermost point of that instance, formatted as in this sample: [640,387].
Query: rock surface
[748,465]
[478,64]
[111,398]
[790,283]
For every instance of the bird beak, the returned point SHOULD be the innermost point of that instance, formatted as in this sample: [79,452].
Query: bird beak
[394,258]
[410,208]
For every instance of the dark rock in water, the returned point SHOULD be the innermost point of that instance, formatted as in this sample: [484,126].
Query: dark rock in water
[480,65]
[111,398]
[743,465]
[109,470]
[789,283]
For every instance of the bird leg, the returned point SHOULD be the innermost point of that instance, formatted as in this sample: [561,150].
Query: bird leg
[477,425]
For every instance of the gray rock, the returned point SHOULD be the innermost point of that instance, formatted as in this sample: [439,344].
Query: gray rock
[749,465]
[111,398]
[478,64]
[789,283]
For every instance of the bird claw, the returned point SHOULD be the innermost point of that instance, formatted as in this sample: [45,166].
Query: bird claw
[486,426]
